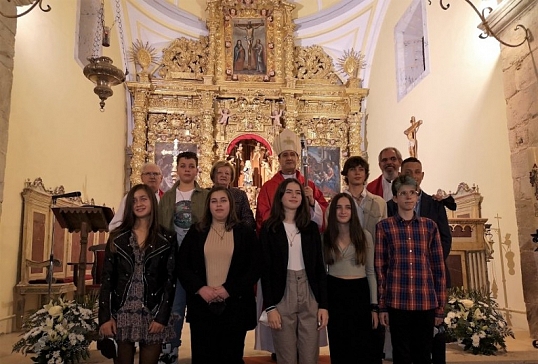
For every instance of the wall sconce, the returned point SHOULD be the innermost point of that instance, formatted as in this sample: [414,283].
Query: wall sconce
[27,2]
[487,29]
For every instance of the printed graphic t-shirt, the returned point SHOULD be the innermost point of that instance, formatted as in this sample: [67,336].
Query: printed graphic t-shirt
[182,214]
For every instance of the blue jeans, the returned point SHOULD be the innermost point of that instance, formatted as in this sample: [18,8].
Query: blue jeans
[178,308]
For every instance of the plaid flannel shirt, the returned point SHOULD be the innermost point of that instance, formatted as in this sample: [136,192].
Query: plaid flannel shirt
[409,265]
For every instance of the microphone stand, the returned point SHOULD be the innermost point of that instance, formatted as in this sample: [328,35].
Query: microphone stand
[50,271]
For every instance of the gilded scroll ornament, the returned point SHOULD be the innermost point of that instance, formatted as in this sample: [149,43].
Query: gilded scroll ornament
[312,63]
[185,59]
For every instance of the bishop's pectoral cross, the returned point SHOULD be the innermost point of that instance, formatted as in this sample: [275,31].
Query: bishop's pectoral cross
[174,153]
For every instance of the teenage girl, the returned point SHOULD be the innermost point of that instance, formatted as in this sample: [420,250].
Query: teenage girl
[351,284]
[293,277]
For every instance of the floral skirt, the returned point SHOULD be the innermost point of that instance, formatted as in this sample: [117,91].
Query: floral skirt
[134,326]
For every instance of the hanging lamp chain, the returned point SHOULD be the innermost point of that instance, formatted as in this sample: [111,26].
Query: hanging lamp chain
[99,30]
[117,19]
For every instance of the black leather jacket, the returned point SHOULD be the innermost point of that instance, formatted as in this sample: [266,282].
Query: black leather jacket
[159,276]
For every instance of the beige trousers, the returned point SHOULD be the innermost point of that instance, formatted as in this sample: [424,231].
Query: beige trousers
[299,336]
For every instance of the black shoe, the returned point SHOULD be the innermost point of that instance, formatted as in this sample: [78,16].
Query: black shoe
[273,356]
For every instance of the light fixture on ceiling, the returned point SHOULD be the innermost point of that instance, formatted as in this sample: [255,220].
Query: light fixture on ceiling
[488,32]
[100,70]
[27,2]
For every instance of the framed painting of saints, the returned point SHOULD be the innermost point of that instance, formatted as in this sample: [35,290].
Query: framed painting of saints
[249,41]
[324,169]
[165,157]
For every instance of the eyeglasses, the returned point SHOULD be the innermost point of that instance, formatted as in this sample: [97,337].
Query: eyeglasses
[408,193]
[152,174]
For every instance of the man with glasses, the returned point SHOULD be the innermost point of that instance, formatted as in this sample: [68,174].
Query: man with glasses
[152,176]
[432,209]
[390,160]
[410,273]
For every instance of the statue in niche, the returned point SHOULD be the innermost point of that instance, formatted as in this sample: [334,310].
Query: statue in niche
[239,153]
[257,152]
[247,173]
[411,134]
[267,171]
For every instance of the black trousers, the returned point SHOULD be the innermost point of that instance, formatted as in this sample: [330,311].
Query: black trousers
[350,321]
[411,333]
[213,343]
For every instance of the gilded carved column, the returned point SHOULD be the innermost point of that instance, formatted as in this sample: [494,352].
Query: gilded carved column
[214,37]
[355,97]
[355,139]
[291,112]
[207,140]
[140,113]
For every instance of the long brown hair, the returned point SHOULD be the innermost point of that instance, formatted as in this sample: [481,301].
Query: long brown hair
[129,218]
[358,238]
[207,218]
[302,215]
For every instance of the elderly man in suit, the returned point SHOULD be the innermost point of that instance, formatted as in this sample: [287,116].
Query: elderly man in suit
[432,208]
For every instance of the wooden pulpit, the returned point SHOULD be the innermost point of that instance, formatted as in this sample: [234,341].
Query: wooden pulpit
[83,219]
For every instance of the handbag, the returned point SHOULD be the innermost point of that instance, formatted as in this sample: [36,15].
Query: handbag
[108,347]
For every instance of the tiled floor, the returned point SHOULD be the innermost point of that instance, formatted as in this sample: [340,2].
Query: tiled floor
[520,351]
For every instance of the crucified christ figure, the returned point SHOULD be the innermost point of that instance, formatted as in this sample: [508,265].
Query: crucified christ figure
[249,30]
[411,134]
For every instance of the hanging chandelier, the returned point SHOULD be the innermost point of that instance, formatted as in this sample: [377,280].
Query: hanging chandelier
[27,2]
[100,70]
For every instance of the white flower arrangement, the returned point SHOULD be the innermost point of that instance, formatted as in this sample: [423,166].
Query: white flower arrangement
[472,317]
[59,333]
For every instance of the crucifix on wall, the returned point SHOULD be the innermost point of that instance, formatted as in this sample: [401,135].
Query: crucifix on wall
[411,134]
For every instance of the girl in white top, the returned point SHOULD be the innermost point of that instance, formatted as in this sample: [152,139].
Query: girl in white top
[351,284]
[293,276]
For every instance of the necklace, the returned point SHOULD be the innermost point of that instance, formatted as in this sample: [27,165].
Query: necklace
[291,237]
[218,233]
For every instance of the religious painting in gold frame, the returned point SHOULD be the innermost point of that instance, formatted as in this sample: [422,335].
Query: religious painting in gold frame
[249,44]
[324,169]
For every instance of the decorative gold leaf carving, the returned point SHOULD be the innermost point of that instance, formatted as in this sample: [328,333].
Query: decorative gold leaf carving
[185,59]
[312,63]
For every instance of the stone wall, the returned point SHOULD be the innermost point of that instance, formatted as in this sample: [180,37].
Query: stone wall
[7,50]
[520,76]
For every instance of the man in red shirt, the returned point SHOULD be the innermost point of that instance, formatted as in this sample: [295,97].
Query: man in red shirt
[390,160]
[287,147]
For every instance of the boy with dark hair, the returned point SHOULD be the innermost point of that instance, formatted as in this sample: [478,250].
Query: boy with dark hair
[179,208]
[410,273]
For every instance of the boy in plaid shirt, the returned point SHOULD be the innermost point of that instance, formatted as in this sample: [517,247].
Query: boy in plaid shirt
[410,276]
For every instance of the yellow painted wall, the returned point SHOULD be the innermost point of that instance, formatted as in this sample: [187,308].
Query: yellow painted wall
[464,136]
[56,130]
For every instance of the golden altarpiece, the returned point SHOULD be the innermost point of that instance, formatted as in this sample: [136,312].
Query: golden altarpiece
[227,95]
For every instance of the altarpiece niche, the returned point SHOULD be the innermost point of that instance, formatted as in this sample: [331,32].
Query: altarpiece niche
[227,95]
